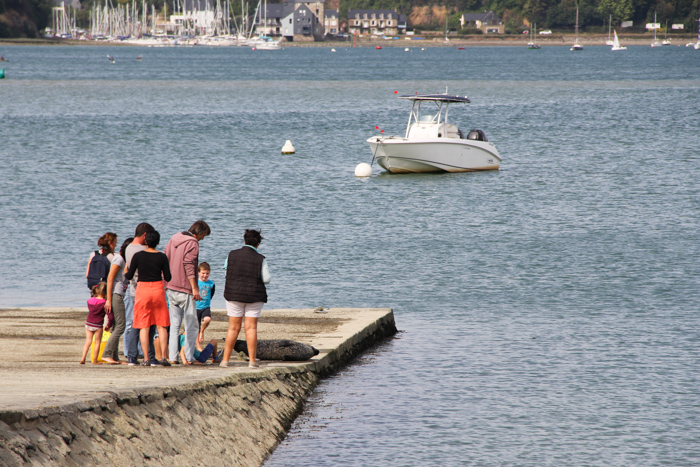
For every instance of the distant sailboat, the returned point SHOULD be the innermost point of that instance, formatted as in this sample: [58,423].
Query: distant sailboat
[655,42]
[616,43]
[576,45]
[696,45]
[609,42]
[666,41]
[533,34]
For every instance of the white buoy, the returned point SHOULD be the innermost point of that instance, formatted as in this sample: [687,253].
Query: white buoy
[363,169]
[332,50]
[288,148]
[406,49]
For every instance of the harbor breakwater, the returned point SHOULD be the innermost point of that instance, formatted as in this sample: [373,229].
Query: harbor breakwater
[216,416]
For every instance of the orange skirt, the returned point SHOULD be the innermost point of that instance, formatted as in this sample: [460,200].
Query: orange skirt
[150,305]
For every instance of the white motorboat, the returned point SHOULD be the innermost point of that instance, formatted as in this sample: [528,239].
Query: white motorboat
[268,45]
[432,144]
[616,44]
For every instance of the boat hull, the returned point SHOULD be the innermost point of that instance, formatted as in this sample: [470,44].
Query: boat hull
[398,155]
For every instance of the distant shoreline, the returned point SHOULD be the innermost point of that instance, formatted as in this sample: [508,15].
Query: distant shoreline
[472,41]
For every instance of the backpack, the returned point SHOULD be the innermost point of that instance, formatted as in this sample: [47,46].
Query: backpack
[98,270]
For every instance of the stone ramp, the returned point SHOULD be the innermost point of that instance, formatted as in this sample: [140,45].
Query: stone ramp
[54,411]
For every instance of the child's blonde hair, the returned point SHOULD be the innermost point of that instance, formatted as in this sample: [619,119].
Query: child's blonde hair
[100,290]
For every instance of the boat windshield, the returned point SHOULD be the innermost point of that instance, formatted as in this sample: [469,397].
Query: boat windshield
[427,112]
[431,109]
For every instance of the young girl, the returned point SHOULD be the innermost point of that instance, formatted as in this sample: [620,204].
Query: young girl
[95,320]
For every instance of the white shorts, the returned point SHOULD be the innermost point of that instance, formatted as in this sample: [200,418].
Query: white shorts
[238,309]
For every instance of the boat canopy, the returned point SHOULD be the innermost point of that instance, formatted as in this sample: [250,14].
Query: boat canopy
[436,98]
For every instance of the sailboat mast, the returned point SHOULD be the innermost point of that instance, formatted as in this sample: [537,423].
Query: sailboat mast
[446,19]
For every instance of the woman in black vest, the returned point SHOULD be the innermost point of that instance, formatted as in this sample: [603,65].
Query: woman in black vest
[245,294]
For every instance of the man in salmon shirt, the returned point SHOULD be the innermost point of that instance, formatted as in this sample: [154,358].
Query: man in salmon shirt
[183,289]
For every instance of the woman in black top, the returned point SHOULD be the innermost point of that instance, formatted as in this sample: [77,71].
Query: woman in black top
[150,305]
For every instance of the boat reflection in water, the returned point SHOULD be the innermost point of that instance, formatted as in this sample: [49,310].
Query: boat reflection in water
[432,144]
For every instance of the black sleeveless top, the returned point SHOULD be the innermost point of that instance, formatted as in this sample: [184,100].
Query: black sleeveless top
[244,277]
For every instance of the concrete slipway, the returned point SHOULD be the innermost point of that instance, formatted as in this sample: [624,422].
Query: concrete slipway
[54,411]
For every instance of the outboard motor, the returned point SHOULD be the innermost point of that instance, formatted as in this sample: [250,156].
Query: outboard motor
[477,135]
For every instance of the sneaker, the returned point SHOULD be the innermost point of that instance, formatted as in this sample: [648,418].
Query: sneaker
[165,362]
[254,364]
[133,361]
[223,364]
[155,363]
[146,363]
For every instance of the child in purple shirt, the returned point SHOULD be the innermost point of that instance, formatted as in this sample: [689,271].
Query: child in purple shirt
[95,320]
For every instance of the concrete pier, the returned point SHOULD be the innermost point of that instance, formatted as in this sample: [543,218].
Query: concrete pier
[54,411]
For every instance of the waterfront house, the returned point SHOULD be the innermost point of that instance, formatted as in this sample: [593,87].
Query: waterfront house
[376,22]
[331,22]
[193,17]
[303,21]
[488,22]
[268,21]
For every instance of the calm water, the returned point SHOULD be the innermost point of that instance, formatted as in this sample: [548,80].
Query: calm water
[549,310]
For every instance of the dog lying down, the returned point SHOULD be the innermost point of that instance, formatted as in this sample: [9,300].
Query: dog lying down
[280,349]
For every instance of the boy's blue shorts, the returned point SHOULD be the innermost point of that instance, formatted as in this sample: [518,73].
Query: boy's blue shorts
[205,353]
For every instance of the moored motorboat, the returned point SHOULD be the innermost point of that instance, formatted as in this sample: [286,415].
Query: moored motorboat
[432,144]
[268,45]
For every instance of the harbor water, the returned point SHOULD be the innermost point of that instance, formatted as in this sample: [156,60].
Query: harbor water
[548,311]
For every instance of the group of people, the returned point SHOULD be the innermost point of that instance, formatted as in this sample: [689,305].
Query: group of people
[146,296]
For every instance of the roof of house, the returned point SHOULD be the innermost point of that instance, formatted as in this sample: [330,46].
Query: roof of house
[331,13]
[487,15]
[68,3]
[352,13]
[274,10]
[199,5]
